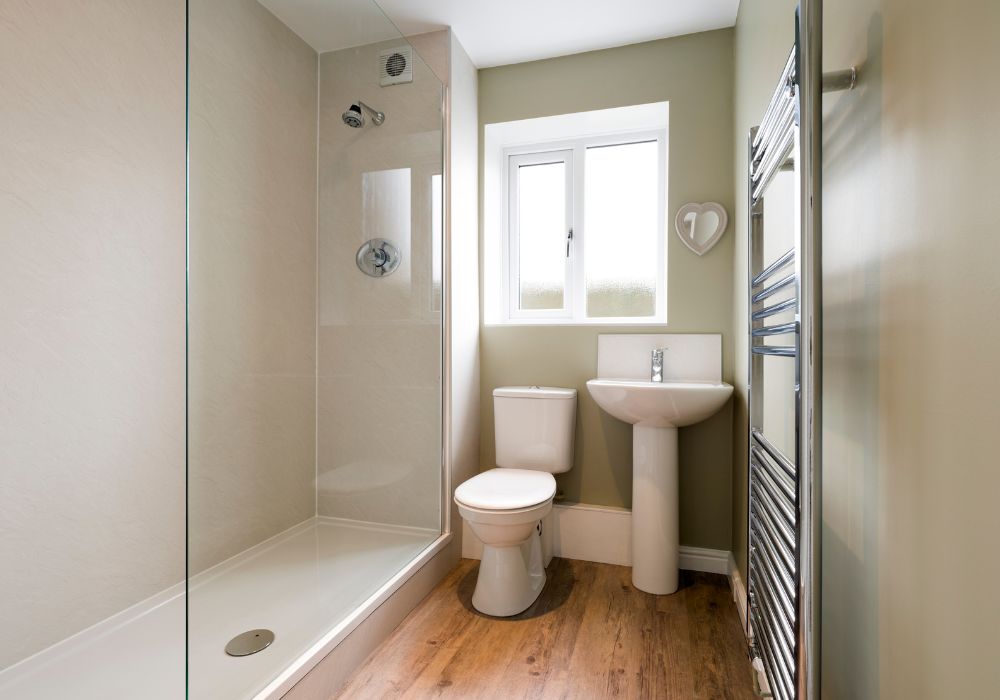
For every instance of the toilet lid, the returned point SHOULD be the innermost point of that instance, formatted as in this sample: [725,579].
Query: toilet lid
[506,489]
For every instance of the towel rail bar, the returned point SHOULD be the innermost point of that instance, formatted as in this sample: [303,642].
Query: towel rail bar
[774,288]
[786,531]
[780,670]
[783,506]
[782,631]
[778,350]
[780,687]
[774,453]
[786,305]
[780,329]
[773,527]
[782,588]
[785,485]
[778,264]
[771,163]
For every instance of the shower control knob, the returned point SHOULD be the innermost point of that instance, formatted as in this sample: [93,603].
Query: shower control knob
[378,257]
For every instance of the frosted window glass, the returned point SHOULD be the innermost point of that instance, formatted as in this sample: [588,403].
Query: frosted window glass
[541,209]
[620,211]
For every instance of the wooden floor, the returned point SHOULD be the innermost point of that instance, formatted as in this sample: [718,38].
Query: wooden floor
[589,635]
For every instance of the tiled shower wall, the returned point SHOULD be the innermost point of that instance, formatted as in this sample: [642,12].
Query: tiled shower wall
[92,312]
[252,332]
[379,396]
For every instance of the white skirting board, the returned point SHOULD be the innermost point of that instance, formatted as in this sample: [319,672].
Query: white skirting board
[601,534]
[739,590]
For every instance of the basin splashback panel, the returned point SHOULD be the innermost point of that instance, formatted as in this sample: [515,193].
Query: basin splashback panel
[690,357]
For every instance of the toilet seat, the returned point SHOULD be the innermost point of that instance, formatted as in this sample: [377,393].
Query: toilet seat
[518,516]
[506,490]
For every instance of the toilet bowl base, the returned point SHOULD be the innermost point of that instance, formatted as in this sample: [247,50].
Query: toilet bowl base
[510,578]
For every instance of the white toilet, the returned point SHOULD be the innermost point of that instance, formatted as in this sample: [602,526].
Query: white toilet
[504,506]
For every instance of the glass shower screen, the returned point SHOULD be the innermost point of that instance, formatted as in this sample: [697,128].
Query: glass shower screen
[315,328]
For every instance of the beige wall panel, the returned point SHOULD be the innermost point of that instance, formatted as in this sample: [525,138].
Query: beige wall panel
[92,312]
[379,421]
[253,279]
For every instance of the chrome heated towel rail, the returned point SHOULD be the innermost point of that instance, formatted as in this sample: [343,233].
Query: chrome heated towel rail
[784,399]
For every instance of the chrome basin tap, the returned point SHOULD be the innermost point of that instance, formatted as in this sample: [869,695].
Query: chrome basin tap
[656,372]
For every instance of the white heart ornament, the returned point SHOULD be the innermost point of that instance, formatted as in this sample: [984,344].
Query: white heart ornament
[700,226]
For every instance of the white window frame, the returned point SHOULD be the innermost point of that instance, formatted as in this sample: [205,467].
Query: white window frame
[573,152]
[511,259]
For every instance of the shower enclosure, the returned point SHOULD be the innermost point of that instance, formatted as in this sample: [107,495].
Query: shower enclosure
[315,329]
[221,558]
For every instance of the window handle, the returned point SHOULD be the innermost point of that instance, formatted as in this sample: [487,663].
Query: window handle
[569,239]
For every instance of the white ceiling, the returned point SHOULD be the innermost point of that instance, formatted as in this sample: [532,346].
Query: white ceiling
[498,32]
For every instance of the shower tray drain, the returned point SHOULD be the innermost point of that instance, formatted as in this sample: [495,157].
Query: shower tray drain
[250,642]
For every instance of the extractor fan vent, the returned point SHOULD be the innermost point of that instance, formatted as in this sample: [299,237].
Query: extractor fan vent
[395,66]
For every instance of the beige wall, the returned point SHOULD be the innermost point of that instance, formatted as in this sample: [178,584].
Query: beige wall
[379,415]
[463,288]
[695,74]
[253,279]
[911,335]
[91,312]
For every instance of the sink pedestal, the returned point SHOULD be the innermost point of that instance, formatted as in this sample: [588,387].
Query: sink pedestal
[656,410]
[655,509]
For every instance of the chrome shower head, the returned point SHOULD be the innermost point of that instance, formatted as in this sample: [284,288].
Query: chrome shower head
[354,117]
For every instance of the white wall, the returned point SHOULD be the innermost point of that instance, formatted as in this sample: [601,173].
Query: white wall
[91,313]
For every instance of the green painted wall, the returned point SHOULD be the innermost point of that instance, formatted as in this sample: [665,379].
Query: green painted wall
[695,73]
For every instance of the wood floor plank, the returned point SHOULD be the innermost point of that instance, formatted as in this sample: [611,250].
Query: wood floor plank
[713,612]
[590,634]
[416,644]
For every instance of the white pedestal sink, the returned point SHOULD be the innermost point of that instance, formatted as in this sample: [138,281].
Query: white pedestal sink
[656,410]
